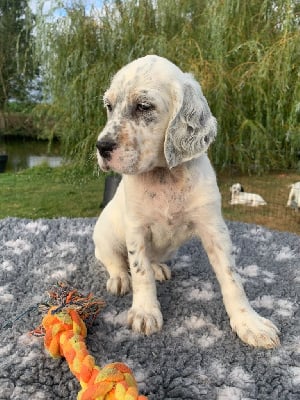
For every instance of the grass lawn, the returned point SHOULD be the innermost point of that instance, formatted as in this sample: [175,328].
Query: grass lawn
[44,192]
[274,188]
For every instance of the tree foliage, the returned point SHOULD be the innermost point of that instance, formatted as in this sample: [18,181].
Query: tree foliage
[16,57]
[245,54]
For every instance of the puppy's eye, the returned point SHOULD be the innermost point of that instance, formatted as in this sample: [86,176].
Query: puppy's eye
[142,107]
[108,107]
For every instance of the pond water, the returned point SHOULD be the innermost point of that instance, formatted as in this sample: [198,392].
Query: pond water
[26,153]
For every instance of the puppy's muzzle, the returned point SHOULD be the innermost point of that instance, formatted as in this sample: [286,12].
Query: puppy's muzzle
[105,148]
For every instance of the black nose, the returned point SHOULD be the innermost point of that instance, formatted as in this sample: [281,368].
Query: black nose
[105,147]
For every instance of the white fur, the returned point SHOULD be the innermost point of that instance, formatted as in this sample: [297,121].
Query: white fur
[294,196]
[249,199]
[168,194]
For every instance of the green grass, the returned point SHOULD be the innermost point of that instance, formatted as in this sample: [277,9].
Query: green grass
[274,188]
[68,191]
[44,192]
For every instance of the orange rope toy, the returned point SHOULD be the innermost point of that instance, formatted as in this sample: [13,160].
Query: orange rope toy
[65,331]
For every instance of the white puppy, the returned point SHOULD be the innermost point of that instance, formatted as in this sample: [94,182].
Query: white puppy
[158,130]
[294,196]
[238,196]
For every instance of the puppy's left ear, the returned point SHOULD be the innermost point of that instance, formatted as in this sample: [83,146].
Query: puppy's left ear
[192,128]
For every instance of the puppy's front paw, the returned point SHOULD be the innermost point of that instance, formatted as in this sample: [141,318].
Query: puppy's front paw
[161,272]
[118,285]
[255,330]
[145,321]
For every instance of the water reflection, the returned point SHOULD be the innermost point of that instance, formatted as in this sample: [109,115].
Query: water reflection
[52,161]
[24,153]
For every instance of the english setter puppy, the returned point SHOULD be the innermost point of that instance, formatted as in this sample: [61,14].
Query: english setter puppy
[294,196]
[239,196]
[158,131]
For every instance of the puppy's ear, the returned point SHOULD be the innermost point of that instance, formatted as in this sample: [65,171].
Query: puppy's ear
[192,127]
[242,189]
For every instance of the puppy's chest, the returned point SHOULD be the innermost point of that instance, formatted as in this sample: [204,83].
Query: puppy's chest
[167,218]
[166,201]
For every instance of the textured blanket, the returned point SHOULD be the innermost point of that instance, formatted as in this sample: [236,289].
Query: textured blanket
[195,356]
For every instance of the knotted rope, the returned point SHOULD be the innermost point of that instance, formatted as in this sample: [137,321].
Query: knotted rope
[65,334]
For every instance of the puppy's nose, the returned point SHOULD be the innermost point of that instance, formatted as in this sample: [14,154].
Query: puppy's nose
[105,147]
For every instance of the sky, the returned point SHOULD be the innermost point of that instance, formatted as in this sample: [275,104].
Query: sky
[48,4]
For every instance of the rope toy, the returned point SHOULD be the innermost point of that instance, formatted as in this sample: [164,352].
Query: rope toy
[64,336]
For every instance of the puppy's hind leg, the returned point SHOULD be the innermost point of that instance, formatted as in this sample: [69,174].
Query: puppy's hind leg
[161,271]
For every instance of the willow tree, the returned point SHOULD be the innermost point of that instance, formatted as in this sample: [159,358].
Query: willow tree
[256,88]
[245,54]
[16,65]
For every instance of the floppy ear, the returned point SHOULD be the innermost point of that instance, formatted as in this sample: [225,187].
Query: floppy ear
[192,128]
[242,189]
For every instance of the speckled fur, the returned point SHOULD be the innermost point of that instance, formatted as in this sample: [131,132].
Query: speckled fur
[162,126]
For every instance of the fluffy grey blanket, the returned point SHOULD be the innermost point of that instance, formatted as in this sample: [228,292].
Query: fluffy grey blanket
[196,356]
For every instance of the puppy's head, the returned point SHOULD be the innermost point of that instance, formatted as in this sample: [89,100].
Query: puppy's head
[236,188]
[157,117]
